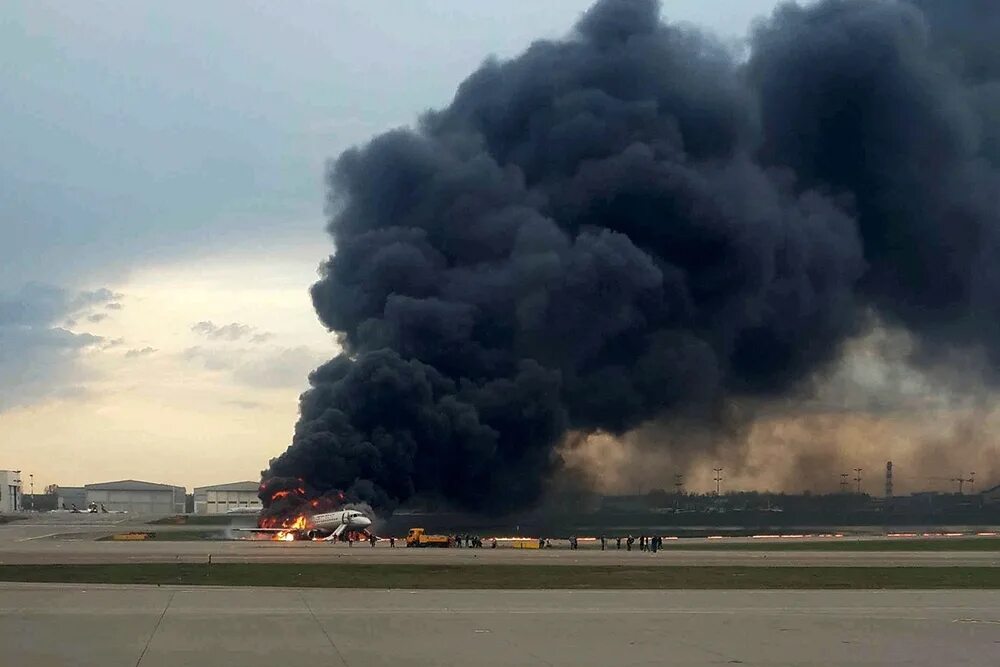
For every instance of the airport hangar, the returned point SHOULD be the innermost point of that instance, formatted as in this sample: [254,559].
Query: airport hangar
[137,497]
[221,498]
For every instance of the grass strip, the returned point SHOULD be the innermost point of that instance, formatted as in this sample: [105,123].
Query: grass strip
[408,576]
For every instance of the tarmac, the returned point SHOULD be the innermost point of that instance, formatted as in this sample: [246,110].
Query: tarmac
[70,539]
[142,626]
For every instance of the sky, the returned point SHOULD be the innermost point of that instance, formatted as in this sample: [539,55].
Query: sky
[162,209]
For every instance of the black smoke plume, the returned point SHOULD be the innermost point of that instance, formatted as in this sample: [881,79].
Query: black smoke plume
[632,223]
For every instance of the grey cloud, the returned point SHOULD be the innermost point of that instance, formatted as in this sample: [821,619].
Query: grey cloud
[270,367]
[230,332]
[38,358]
[246,405]
[143,352]
[286,367]
[210,359]
[113,306]
[97,317]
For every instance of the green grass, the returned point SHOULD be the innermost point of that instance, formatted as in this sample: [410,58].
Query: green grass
[847,544]
[510,576]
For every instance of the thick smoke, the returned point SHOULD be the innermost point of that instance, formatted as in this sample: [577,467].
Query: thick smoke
[631,225]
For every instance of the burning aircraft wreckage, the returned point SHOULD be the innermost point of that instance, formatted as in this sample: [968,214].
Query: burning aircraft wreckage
[633,224]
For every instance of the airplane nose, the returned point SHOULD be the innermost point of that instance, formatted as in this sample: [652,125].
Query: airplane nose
[361,521]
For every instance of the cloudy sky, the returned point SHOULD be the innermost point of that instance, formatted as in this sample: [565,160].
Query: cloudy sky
[161,208]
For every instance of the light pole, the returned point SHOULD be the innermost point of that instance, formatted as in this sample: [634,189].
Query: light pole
[31,477]
[718,481]
[858,478]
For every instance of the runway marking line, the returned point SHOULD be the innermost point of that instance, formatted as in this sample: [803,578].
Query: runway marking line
[37,537]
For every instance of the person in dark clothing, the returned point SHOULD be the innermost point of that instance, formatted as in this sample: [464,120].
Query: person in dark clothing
[602,543]
[618,540]
[392,542]
[629,542]
[372,540]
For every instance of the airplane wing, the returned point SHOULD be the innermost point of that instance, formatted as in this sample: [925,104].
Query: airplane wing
[262,530]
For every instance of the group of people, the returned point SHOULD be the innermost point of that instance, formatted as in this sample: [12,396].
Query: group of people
[471,541]
[646,543]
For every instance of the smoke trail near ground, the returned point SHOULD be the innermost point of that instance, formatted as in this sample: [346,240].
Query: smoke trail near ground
[630,226]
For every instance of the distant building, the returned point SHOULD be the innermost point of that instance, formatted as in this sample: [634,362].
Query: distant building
[10,491]
[136,497]
[991,496]
[221,498]
[70,496]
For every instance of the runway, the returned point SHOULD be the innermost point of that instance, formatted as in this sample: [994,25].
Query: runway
[74,543]
[147,626]
[88,552]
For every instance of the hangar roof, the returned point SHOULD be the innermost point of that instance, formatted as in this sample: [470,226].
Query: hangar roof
[232,486]
[129,485]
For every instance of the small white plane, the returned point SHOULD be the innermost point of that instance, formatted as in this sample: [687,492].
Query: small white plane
[329,525]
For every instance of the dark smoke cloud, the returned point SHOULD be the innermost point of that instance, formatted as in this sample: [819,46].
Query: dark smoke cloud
[856,98]
[630,225]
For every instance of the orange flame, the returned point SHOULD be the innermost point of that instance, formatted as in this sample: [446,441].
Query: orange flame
[284,493]
[292,528]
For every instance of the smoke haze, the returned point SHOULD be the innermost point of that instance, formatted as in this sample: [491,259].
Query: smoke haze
[632,234]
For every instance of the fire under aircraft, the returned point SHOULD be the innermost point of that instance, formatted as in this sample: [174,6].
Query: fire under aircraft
[329,525]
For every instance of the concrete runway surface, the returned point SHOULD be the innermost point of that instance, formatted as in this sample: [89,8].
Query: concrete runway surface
[105,626]
[71,541]
[70,552]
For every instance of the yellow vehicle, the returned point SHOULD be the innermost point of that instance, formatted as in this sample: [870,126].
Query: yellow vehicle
[418,538]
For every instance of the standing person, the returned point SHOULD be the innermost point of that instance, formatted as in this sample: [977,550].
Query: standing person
[618,540]
[392,542]
[653,544]
[642,543]
[372,539]
[602,543]
[629,542]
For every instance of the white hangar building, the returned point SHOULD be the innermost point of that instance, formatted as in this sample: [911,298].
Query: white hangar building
[136,497]
[223,498]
